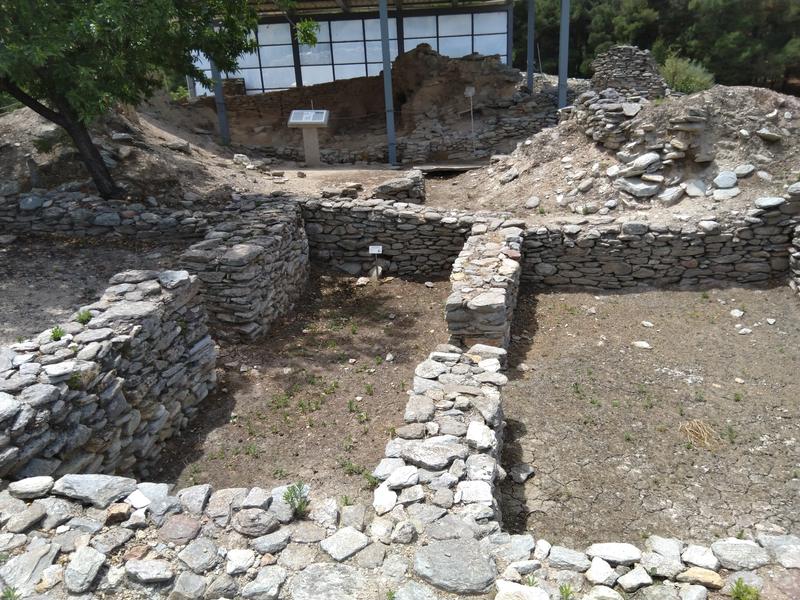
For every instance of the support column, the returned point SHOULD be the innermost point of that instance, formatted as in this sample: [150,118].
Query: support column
[391,136]
[531,51]
[219,98]
[563,54]
[509,33]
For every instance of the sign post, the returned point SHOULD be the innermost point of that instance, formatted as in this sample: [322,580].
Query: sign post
[375,272]
[469,92]
[310,121]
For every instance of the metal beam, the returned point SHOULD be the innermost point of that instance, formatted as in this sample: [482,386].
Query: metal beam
[510,34]
[531,55]
[563,54]
[391,136]
[219,98]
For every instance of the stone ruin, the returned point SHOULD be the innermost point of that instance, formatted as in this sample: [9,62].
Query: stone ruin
[82,413]
[629,70]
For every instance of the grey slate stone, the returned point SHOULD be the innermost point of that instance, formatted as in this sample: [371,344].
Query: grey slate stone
[328,581]
[200,555]
[344,543]
[267,584]
[99,490]
[736,554]
[455,566]
[82,569]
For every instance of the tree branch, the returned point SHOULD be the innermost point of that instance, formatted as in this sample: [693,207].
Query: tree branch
[14,91]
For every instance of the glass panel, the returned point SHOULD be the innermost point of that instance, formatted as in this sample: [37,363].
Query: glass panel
[374,69]
[419,26]
[455,25]
[375,51]
[346,31]
[274,33]
[249,60]
[252,78]
[490,44]
[372,27]
[495,22]
[348,52]
[201,90]
[282,77]
[316,55]
[350,71]
[455,46]
[313,75]
[324,33]
[200,60]
[276,56]
[411,44]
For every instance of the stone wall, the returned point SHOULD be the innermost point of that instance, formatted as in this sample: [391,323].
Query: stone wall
[794,262]
[485,280]
[630,70]
[410,187]
[104,391]
[253,267]
[73,212]
[745,249]
[416,240]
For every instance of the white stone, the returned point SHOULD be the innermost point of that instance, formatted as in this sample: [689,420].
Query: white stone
[601,573]
[634,579]
[239,560]
[403,477]
[615,553]
[344,543]
[480,436]
[384,499]
[700,556]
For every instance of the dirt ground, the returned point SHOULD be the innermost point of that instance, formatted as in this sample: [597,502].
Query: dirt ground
[317,399]
[696,437]
[44,281]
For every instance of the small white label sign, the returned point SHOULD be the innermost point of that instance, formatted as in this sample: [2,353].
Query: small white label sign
[376,249]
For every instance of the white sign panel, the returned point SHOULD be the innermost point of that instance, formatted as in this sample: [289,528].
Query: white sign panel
[308,118]
[376,249]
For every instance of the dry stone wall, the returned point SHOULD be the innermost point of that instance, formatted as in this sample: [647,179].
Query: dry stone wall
[485,280]
[254,267]
[794,262]
[70,211]
[630,70]
[102,392]
[745,249]
[415,240]
[410,187]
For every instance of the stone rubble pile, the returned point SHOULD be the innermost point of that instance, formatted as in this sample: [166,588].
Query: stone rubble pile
[253,266]
[485,280]
[103,391]
[408,188]
[606,115]
[629,70]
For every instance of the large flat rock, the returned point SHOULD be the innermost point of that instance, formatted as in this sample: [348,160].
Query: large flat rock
[455,566]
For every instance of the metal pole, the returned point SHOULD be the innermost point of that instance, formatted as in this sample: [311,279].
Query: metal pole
[387,82]
[531,46]
[219,98]
[190,87]
[563,54]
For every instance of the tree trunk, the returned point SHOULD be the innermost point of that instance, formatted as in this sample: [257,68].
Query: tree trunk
[90,155]
[66,118]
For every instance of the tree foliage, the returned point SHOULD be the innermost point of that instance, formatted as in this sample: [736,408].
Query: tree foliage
[754,42]
[684,75]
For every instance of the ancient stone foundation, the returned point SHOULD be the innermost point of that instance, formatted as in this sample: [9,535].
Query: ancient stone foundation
[630,70]
[254,267]
[485,282]
[101,393]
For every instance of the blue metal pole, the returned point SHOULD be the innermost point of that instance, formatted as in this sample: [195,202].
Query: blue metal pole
[563,54]
[387,82]
[531,37]
[219,98]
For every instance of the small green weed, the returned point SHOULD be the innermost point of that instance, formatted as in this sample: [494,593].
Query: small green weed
[565,592]
[730,434]
[352,406]
[84,317]
[279,473]
[742,591]
[10,593]
[372,481]
[391,595]
[738,397]
[296,498]
[346,500]
[74,382]
[369,389]
[530,580]
[628,437]
[252,450]
[56,333]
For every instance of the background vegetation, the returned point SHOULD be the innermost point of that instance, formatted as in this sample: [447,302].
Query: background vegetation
[741,42]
